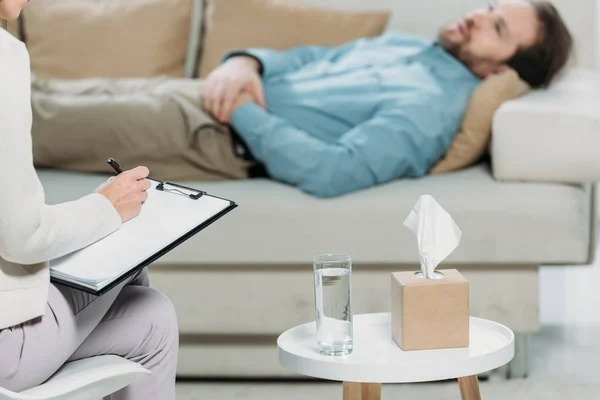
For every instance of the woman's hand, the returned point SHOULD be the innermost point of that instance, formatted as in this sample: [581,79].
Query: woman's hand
[127,191]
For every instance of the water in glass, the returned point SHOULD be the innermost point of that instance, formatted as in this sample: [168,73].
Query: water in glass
[333,294]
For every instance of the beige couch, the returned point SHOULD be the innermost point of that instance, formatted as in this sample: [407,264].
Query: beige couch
[247,278]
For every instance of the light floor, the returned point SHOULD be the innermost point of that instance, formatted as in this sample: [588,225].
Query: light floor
[565,355]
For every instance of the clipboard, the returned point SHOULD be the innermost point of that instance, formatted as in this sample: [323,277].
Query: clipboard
[172,214]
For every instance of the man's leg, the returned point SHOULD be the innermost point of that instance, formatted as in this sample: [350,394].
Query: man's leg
[140,326]
[159,123]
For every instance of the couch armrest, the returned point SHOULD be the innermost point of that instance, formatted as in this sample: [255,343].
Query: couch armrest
[550,135]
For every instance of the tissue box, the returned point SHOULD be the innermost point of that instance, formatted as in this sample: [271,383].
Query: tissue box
[430,313]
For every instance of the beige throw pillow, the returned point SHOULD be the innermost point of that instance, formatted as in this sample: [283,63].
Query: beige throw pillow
[238,24]
[472,140]
[107,38]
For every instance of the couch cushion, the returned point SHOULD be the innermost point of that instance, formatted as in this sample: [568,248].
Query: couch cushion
[275,223]
[550,135]
[105,38]
[472,139]
[238,24]
[13,28]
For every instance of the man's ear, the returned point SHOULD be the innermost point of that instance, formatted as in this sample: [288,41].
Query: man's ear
[485,69]
[502,68]
[499,68]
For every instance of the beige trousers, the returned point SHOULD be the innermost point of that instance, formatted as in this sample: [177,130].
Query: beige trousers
[159,123]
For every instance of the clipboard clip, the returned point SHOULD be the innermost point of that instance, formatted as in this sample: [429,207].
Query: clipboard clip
[193,194]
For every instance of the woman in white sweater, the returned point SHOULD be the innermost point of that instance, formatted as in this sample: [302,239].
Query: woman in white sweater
[43,325]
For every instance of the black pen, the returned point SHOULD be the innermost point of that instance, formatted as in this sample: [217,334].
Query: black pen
[113,163]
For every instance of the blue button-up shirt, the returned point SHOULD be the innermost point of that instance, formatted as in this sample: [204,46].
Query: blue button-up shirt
[339,119]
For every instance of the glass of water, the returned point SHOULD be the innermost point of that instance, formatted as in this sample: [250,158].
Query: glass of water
[333,301]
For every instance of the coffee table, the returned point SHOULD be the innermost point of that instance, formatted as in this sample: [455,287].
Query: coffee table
[377,359]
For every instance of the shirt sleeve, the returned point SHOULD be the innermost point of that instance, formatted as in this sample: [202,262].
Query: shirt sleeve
[396,142]
[30,230]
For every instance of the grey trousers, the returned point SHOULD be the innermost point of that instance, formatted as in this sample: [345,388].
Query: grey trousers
[132,321]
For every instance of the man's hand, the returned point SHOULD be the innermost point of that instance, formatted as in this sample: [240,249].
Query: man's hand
[242,99]
[226,83]
[127,191]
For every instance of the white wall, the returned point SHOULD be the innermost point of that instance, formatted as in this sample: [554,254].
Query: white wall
[598,34]
[425,17]
[569,295]
[580,16]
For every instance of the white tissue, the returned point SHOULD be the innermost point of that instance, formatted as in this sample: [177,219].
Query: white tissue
[437,233]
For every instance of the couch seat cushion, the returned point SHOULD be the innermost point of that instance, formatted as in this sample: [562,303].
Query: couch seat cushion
[501,222]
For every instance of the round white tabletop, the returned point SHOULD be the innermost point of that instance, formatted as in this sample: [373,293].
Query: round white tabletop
[377,358]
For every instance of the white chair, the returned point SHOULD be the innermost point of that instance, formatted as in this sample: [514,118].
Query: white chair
[87,379]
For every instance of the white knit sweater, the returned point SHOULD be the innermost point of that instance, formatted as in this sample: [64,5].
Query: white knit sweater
[31,232]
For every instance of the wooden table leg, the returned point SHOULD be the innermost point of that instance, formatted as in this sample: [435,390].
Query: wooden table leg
[371,391]
[362,391]
[469,388]
[352,391]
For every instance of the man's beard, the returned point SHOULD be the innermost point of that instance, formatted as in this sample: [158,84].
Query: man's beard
[454,49]
[450,47]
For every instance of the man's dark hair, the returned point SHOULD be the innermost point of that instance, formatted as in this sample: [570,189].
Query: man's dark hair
[539,64]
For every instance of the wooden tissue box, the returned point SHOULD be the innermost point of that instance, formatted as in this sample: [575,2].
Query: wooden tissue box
[430,313]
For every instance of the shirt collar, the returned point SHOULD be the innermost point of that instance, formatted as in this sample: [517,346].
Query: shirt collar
[446,65]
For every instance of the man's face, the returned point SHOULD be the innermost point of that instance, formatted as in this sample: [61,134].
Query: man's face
[486,38]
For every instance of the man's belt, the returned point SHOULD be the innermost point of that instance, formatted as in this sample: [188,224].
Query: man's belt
[241,150]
